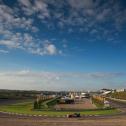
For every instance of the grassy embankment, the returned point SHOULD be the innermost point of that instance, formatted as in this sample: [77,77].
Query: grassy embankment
[118,95]
[99,102]
[27,108]
[48,104]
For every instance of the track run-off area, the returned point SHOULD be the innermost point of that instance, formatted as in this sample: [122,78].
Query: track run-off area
[14,120]
[26,108]
[18,119]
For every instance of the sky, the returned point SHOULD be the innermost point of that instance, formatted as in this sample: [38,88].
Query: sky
[62,44]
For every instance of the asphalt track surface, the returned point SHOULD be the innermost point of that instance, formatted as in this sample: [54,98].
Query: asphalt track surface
[119,105]
[14,120]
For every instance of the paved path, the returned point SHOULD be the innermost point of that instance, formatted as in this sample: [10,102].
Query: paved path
[16,121]
[119,105]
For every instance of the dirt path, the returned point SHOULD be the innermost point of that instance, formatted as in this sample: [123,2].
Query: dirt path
[83,104]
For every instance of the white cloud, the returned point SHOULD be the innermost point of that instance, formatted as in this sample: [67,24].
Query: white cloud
[4,51]
[37,6]
[50,49]
[94,31]
[26,79]
[90,12]
[54,75]
[11,20]
[27,42]
[79,4]
[27,38]
[84,15]
[9,43]
[26,3]
[26,6]
[42,7]
[102,15]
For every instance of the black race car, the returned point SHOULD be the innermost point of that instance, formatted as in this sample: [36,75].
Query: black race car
[75,115]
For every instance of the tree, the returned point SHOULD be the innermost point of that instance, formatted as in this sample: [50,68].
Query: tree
[35,105]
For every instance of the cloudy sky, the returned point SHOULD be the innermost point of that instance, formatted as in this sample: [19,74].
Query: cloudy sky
[62,44]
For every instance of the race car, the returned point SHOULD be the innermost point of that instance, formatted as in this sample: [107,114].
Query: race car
[75,115]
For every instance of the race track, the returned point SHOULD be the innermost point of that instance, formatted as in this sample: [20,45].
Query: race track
[25,120]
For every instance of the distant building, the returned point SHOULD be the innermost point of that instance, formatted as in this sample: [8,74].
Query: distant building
[84,95]
[78,95]
[120,90]
[105,91]
[106,104]
[66,100]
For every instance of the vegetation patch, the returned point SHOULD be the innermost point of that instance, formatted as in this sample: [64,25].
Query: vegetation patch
[99,102]
[118,95]
[27,108]
[51,103]
[45,104]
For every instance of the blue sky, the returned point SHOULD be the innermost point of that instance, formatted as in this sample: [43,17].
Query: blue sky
[62,45]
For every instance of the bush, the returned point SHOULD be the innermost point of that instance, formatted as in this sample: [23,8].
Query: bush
[35,105]
[98,102]
[119,95]
[52,102]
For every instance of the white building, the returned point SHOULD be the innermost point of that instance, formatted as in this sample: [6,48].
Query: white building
[120,90]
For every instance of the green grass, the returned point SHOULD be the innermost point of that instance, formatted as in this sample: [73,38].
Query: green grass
[27,108]
[98,103]
[49,103]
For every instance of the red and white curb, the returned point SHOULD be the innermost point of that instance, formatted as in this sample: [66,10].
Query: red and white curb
[30,115]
